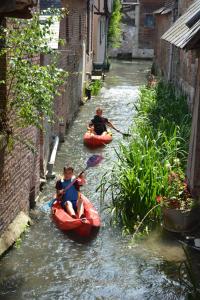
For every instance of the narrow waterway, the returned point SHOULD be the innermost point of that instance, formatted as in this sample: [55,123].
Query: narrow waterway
[48,265]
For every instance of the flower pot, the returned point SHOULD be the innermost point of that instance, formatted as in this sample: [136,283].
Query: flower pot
[177,220]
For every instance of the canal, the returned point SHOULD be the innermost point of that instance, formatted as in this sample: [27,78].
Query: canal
[48,265]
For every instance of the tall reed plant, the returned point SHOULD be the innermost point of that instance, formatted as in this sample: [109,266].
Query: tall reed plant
[156,148]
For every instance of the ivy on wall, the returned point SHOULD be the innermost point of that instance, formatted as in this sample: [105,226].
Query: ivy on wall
[114,31]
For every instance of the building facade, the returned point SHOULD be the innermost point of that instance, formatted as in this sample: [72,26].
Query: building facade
[138,29]
[177,59]
[21,169]
[102,12]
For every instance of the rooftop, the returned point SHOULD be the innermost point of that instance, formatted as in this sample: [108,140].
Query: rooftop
[184,33]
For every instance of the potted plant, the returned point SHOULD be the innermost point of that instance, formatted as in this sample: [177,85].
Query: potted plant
[179,209]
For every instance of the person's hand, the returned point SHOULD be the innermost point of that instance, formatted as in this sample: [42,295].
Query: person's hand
[82,176]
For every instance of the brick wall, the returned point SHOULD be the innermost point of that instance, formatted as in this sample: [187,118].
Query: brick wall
[19,178]
[19,167]
[74,58]
[146,31]
[73,32]
[162,48]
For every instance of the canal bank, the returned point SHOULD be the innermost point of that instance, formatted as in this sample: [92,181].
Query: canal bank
[48,265]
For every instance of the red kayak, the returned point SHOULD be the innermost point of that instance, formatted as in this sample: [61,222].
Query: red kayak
[93,140]
[83,228]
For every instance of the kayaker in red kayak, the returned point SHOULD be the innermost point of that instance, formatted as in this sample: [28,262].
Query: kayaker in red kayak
[70,198]
[98,124]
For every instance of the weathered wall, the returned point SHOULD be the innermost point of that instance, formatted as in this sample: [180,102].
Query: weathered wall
[138,29]
[147,26]
[162,48]
[73,58]
[99,34]
[193,167]
[19,167]
[129,28]
[183,69]
[19,178]
[174,64]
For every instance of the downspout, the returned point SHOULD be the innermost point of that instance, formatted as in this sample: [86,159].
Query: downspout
[52,159]
[169,75]
[106,33]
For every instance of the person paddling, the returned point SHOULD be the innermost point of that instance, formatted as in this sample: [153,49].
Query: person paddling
[70,197]
[98,124]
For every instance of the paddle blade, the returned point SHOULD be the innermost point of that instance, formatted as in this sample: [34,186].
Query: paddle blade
[94,160]
[126,134]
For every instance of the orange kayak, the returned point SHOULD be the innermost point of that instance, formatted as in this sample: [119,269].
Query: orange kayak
[66,223]
[93,140]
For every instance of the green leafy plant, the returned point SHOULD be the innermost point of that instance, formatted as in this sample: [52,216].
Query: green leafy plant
[156,149]
[114,31]
[177,194]
[95,87]
[31,87]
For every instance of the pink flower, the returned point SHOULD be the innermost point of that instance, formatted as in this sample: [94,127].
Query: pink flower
[159,199]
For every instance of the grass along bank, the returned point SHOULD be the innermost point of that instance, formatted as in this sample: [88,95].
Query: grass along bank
[157,148]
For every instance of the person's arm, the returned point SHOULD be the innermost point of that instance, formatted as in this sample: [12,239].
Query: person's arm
[90,124]
[59,189]
[108,123]
[81,180]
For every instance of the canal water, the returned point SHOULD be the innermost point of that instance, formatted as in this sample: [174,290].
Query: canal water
[49,265]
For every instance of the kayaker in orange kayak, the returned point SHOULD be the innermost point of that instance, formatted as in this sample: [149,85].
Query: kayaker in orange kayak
[70,197]
[98,124]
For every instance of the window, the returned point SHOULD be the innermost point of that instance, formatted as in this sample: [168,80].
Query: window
[149,21]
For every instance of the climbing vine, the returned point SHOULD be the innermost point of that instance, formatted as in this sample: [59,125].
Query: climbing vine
[114,31]
[30,87]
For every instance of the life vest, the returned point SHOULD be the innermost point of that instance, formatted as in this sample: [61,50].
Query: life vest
[70,194]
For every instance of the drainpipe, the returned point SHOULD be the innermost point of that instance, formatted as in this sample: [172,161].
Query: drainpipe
[171,50]
[170,62]
[50,173]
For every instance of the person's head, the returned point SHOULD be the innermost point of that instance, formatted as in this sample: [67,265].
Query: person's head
[68,172]
[99,111]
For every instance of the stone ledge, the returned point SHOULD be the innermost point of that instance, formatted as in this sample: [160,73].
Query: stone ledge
[13,232]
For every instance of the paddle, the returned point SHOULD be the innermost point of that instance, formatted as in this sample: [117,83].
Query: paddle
[93,161]
[124,134]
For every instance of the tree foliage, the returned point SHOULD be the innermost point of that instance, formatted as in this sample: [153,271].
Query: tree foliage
[114,31]
[31,87]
